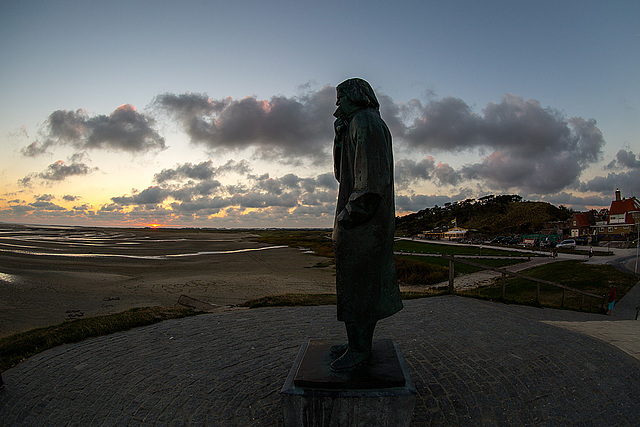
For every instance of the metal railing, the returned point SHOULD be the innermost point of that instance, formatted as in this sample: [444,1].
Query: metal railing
[504,272]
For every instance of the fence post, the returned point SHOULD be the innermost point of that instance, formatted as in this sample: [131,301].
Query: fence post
[451,274]
[504,283]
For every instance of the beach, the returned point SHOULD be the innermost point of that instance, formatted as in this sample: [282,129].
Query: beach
[49,275]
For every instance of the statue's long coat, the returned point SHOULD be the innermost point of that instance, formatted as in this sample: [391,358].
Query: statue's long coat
[363,233]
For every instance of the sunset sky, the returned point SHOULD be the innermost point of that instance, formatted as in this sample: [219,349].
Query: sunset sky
[219,114]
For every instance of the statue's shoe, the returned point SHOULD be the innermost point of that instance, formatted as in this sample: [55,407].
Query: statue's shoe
[339,349]
[350,360]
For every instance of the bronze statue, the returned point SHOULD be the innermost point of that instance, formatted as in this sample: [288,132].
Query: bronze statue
[363,231]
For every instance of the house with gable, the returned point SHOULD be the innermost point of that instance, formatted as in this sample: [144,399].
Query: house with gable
[624,216]
[581,223]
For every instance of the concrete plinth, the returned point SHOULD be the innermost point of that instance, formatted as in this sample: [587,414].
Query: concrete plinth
[379,394]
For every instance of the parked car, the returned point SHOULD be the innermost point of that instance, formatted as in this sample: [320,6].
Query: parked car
[566,244]
[582,240]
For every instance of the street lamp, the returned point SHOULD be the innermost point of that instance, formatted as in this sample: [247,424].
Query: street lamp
[636,217]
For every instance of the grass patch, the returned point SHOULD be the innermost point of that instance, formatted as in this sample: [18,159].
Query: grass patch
[417,272]
[433,264]
[292,300]
[306,300]
[435,248]
[429,292]
[595,279]
[18,347]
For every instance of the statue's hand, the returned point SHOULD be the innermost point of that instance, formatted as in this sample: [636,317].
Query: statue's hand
[344,219]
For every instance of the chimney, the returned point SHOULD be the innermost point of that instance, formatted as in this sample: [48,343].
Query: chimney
[618,198]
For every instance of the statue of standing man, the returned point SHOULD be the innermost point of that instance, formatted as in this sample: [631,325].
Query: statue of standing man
[363,231]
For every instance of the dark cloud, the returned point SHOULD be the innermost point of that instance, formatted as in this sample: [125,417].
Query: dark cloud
[627,179]
[70,198]
[27,181]
[192,191]
[417,202]
[447,174]
[532,148]
[446,124]
[579,203]
[123,130]
[282,128]
[408,171]
[59,171]
[45,197]
[150,196]
[624,159]
[46,206]
[292,182]
[203,205]
[201,171]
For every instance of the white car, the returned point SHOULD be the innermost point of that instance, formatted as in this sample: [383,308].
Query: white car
[566,244]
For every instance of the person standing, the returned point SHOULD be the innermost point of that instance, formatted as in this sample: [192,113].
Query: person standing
[611,299]
[363,233]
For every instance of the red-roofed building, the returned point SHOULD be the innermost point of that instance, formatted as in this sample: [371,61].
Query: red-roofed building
[581,223]
[624,216]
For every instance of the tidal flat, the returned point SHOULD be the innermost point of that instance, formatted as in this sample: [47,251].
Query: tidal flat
[52,274]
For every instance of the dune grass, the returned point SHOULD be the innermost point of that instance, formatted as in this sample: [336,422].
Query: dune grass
[18,347]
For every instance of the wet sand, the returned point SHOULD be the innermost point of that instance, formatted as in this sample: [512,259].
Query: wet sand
[48,278]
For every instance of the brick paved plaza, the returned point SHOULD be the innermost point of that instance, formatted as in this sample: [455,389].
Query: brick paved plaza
[473,363]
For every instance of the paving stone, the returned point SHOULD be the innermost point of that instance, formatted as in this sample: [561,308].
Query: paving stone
[473,362]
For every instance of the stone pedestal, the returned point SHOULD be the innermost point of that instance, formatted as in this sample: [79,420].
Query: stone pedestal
[379,394]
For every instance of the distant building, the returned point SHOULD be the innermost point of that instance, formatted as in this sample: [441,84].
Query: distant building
[444,232]
[624,216]
[435,233]
[455,233]
[581,223]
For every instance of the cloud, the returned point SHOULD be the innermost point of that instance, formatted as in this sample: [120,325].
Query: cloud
[190,191]
[153,195]
[201,171]
[624,159]
[286,129]
[292,182]
[577,202]
[408,171]
[627,179]
[46,206]
[532,148]
[59,171]
[417,202]
[45,197]
[123,130]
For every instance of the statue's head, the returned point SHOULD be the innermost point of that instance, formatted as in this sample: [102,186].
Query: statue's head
[353,95]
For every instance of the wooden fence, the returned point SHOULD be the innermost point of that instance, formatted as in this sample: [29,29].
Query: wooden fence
[452,260]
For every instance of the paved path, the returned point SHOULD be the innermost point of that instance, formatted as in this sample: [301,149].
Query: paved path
[473,363]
